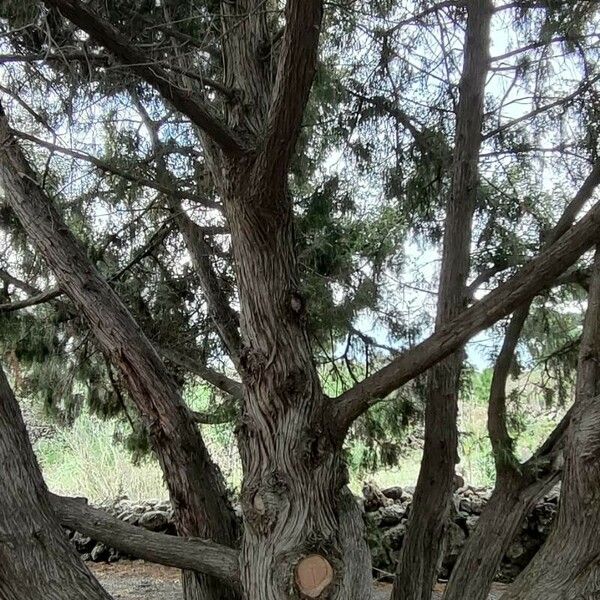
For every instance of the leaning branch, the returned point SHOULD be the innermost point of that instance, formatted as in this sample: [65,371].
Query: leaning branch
[35,300]
[9,279]
[533,277]
[295,75]
[104,33]
[107,167]
[502,443]
[191,554]
[212,376]
[196,486]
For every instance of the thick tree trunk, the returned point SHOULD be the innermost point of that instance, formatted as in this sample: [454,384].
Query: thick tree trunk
[195,484]
[567,568]
[303,536]
[37,561]
[422,549]
[303,531]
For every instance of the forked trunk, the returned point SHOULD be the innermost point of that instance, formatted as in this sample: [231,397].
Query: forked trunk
[303,535]
[567,567]
[37,561]
[497,527]
[517,485]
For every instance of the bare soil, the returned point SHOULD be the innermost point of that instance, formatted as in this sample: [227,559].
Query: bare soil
[137,580]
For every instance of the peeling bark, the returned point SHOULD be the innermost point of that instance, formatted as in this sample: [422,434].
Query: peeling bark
[294,494]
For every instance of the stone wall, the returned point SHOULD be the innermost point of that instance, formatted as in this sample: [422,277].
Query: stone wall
[386,514]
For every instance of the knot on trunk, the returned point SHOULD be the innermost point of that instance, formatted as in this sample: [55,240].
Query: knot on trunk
[263,501]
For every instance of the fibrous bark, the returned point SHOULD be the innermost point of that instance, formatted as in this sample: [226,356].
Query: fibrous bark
[422,549]
[514,496]
[195,484]
[192,554]
[517,486]
[566,568]
[37,561]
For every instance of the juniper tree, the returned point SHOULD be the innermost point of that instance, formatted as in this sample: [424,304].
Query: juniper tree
[211,227]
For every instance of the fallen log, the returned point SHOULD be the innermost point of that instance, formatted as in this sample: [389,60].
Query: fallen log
[194,554]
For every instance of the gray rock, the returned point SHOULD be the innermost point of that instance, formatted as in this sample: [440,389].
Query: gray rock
[153,520]
[394,493]
[100,552]
[393,537]
[82,543]
[391,515]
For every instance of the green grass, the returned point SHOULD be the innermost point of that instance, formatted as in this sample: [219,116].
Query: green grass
[86,460]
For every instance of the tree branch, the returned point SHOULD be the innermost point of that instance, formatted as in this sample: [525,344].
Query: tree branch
[104,33]
[194,554]
[224,317]
[425,13]
[584,86]
[109,168]
[215,378]
[226,413]
[295,75]
[419,135]
[197,487]
[502,443]
[40,298]
[14,281]
[107,61]
[530,279]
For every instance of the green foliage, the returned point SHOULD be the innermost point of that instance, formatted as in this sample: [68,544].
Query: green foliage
[369,183]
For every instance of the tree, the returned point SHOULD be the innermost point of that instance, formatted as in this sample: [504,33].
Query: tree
[422,549]
[566,566]
[32,540]
[247,162]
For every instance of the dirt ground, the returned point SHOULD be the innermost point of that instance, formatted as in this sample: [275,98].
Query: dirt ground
[138,580]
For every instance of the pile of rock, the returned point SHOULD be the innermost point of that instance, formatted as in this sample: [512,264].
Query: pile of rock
[387,512]
[386,515]
[153,515]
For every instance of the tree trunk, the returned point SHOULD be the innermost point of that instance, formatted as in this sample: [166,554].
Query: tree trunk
[497,527]
[304,535]
[421,552]
[517,486]
[516,492]
[37,561]
[195,484]
[567,568]
[303,531]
